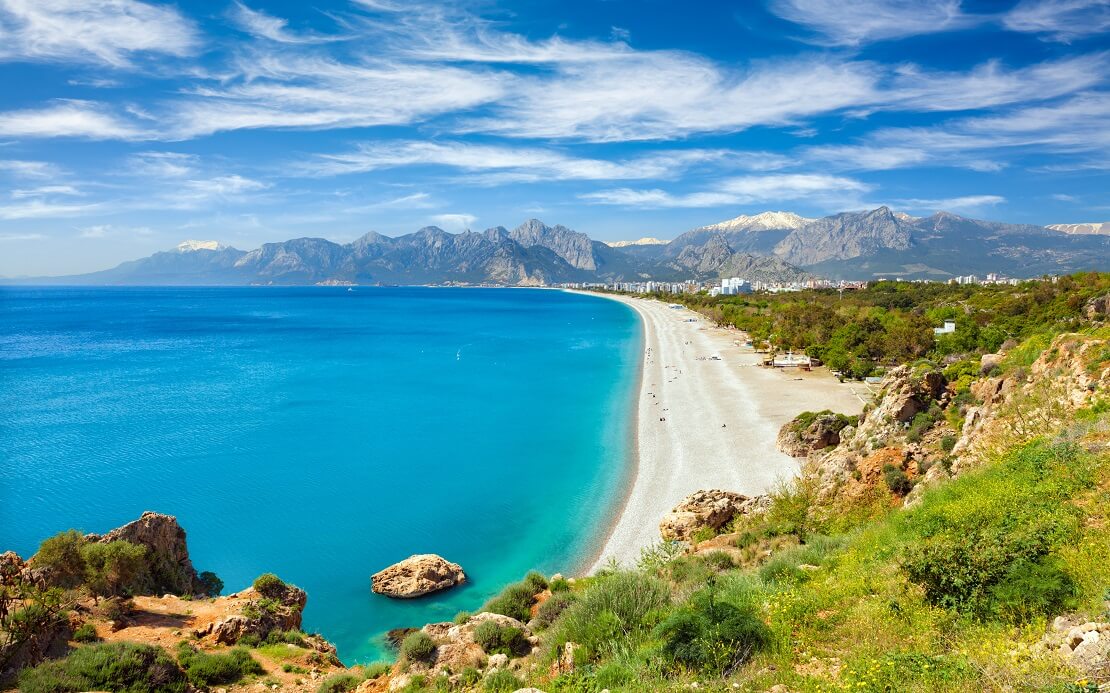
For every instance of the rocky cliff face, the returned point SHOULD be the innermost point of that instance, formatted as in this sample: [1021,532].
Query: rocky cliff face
[575,248]
[170,568]
[845,236]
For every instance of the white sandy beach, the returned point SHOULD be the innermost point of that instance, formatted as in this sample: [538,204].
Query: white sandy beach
[704,423]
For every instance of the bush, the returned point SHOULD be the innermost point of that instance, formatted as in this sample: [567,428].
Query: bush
[985,545]
[61,558]
[205,669]
[470,676]
[719,560]
[118,666]
[896,480]
[621,606]
[502,681]
[494,638]
[340,683]
[461,618]
[417,647]
[211,583]
[287,637]
[559,584]
[556,604]
[85,633]
[712,636]
[114,568]
[535,581]
[514,601]
[269,585]
[376,670]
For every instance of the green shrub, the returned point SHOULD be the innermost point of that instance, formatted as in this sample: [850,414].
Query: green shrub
[613,675]
[86,632]
[461,618]
[497,639]
[556,604]
[417,647]
[470,676]
[559,584]
[502,681]
[535,581]
[896,480]
[947,443]
[206,668]
[514,601]
[269,585]
[625,605]
[118,666]
[712,636]
[61,558]
[340,683]
[114,568]
[784,565]
[287,637]
[719,560]
[376,670]
[211,584]
[985,545]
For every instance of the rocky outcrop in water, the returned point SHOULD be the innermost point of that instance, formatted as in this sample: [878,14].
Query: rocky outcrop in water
[416,576]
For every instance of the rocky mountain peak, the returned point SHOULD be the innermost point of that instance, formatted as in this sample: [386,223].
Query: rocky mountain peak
[764,221]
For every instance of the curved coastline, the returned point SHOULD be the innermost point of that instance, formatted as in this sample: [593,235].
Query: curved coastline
[721,422]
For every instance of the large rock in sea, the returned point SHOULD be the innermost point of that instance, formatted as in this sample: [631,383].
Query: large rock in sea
[701,509]
[416,576]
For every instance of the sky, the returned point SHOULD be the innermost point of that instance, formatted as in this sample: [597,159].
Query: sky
[127,126]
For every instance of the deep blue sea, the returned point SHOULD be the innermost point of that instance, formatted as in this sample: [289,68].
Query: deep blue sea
[322,433]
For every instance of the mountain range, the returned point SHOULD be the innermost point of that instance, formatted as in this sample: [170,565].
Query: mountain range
[772,246]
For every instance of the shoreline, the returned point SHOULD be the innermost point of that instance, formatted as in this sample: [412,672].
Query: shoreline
[706,416]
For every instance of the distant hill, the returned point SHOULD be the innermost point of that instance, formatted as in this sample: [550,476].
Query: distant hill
[772,246]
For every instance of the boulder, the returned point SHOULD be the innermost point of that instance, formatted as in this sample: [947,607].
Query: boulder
[564,663]
[1098,308]
[800,437]
[416,576]
[1086,646]
[701,509]
[281,611]
[171,570]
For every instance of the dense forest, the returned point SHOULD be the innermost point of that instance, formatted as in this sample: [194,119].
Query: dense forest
[859,332]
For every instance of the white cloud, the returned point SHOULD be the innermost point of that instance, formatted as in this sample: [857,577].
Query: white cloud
[41,209]
[45,190]
[1061,197]
[106,230]
[1060,20]
[819,188]
[67,119]
[279,90]
[100,31]
[454,222]
[5,237]
[966,203]
[224,186]
[267,26]
[162,164]
[502,164]
[29,169]
[861,21]
[867,158]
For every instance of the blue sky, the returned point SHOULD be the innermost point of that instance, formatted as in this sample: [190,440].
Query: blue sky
[127,126]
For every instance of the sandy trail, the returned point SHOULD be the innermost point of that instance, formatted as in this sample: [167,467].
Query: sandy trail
[704,423]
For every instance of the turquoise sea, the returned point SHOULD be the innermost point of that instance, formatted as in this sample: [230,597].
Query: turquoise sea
[322,433]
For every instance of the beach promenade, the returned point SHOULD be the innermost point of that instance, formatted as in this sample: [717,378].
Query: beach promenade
[706,422]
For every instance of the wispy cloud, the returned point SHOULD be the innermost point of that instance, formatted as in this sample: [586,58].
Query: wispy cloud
[108,33]
[965,203]
[162,164]
[273,28]
[503,163]
[1060,20]
[68,119]
[29,169]
[741,190]
[37,208]
[44,190]
[862,21]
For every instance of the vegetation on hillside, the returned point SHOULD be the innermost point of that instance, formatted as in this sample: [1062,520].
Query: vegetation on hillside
[888,323]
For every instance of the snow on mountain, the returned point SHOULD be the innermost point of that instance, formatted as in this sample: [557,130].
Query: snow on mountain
[647,240]
[765,221]
[190,246]
[1094,228]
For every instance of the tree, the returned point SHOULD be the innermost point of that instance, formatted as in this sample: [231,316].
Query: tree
[61,559]
[112,568]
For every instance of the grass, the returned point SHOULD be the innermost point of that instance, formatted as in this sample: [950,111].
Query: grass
[118,666]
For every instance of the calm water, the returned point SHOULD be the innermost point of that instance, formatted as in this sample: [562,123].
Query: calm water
[321,434]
